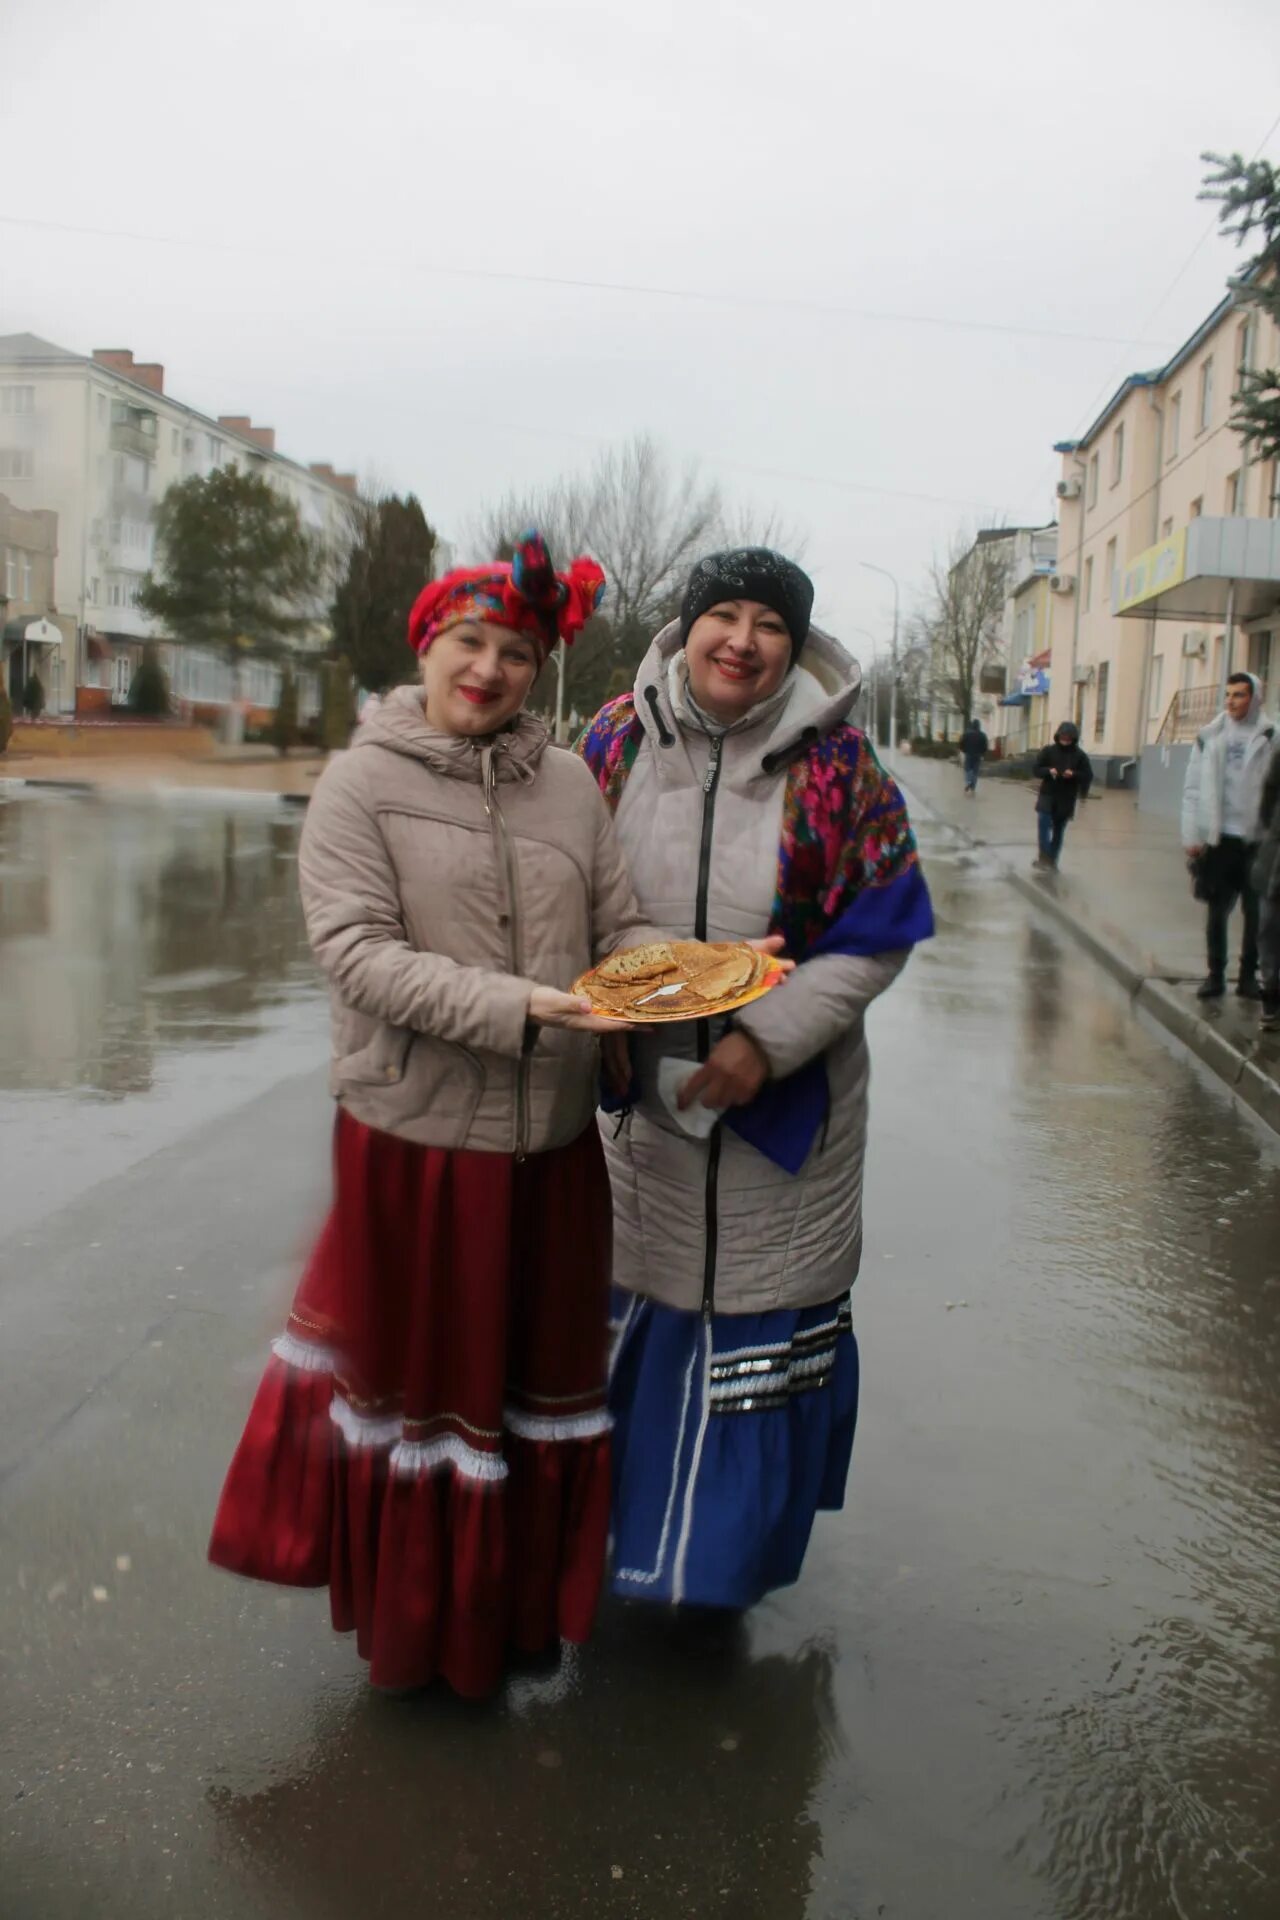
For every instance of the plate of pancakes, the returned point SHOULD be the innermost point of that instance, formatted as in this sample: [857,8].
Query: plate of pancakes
[678,980]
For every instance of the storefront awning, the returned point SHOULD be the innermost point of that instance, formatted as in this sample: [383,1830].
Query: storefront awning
[1190,575]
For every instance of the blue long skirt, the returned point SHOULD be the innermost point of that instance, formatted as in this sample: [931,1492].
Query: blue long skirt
[729,1436]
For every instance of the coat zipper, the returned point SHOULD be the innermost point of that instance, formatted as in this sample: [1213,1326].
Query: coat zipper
[710,783]
[503,839]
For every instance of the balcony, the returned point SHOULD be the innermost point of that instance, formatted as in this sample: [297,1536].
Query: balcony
[127,438]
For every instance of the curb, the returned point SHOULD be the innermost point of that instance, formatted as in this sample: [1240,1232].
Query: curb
[265,795]
[1238,1071]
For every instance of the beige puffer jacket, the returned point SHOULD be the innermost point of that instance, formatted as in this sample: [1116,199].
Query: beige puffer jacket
[715,1223]
[442,880]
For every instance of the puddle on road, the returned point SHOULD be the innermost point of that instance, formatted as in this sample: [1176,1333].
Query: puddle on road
[153,972]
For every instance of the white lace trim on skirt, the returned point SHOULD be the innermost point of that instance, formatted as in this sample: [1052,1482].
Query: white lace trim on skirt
[574,1426]
[411,1457]
[304,1355]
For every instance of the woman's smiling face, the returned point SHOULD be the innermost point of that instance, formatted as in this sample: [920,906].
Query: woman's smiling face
[477,675]
[738,653]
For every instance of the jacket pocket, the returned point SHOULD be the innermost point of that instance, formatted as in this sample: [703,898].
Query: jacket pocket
[404,1079]
[380,1063]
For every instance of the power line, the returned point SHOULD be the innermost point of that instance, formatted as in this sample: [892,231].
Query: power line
[945,323]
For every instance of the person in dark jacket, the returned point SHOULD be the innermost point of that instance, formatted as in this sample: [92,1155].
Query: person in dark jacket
[973,745]
[1065,776]
[1266,883]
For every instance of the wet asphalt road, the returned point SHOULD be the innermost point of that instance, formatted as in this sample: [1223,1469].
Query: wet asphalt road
[1033,1669]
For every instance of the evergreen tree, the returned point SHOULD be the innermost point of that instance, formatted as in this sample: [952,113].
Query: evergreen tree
[387,567]
[149,687]
[337,707]
[1248,196]
[284,724]
[236,570]
[33,696]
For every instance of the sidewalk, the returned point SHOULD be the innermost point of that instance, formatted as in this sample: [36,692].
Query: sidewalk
[1124,893]
[227,769]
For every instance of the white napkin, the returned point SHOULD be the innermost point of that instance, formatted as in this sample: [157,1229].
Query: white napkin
[697,1120]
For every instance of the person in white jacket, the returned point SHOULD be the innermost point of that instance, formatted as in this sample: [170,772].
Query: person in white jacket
[1221,826]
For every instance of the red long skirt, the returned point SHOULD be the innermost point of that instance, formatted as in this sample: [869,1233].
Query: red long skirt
[430,1438]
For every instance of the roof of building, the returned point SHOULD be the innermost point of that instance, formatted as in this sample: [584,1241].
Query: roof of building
[31,348]
[1158,375]
[28,349]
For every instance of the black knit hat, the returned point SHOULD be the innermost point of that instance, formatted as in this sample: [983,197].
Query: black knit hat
[750,573]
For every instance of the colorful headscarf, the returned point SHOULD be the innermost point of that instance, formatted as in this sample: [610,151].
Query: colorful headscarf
[526,594]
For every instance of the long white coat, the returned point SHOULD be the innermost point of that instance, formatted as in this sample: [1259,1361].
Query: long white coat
[760,1237]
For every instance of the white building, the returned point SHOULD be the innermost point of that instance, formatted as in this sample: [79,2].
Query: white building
[97,441]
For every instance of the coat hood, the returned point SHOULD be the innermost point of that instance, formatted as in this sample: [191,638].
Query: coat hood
[399,723]
[818,694]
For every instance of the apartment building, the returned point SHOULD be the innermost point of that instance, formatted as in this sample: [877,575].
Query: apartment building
[1022,723]
[32,635]
[95,441]
[1169,555]
[1027,556]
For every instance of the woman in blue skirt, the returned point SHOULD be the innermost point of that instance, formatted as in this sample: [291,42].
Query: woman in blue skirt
[748,805]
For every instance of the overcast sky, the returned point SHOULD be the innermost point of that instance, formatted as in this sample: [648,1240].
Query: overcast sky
[931,238]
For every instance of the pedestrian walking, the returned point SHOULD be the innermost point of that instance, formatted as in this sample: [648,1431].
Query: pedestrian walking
[430,1438]
[1066,775]
[973,747]
[747,805]
[1221,827]
[1266,884]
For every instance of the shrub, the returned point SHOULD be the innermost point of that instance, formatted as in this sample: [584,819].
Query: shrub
[284,727]
[6,719]
[149,688]
[926,748]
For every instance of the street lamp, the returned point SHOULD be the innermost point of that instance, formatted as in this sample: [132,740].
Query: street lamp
[872,676]
[893,695]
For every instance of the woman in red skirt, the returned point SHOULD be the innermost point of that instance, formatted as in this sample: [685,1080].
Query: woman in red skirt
[430,1439]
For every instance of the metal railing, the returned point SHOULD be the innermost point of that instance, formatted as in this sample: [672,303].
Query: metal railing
[1190,709]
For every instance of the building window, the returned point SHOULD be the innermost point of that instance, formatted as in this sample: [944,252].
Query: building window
[1117,455]
[1088,584]
[16,463]
[173,439]
[17,399]
[11,576]
[1093,481]
[1235,502]
[1196,509]
[1109,580]
[102,408]
[1175,425]
[1244,346]
[1206,395]
[1166,529]
[26,576]
[1100,705]
[1260,660]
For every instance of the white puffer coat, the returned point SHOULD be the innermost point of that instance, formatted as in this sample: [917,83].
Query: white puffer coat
[715,1223]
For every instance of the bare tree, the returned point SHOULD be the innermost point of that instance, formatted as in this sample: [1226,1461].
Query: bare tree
[964,614]
[645,524]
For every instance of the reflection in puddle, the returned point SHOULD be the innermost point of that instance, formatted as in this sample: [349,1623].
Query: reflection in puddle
[140,939]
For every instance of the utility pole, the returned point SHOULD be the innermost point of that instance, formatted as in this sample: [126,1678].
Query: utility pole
[893,688]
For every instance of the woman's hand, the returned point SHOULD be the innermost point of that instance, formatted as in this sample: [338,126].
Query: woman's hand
[548,1008]
[731,1076]
[773,946]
